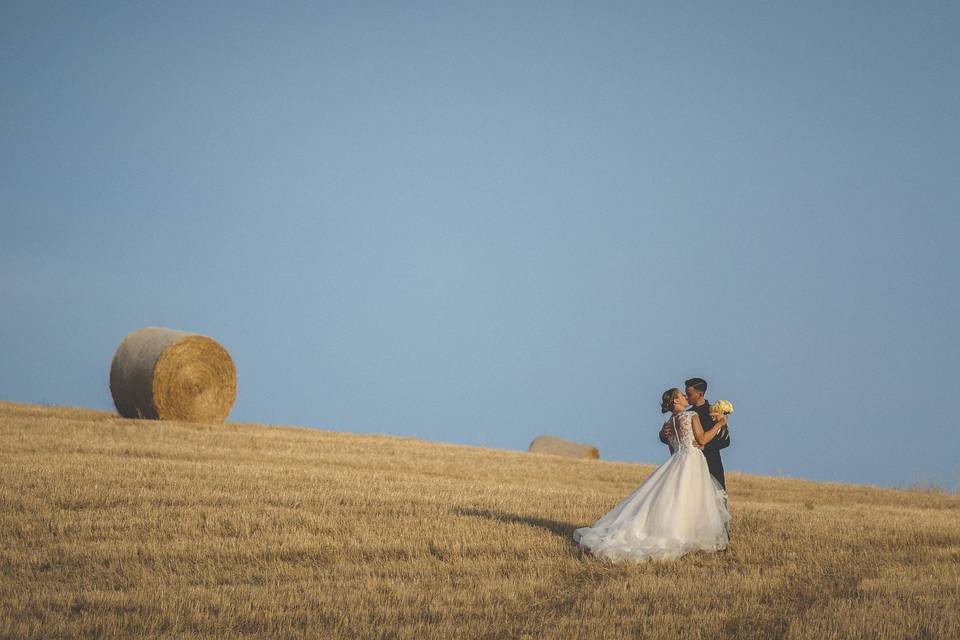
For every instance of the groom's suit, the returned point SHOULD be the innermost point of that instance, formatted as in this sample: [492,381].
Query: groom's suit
[712,449]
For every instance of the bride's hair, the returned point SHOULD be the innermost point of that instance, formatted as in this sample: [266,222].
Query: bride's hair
[666,401]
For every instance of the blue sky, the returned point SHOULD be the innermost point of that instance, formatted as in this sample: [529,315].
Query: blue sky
[480,222]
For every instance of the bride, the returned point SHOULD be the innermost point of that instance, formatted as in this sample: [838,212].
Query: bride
[680,508]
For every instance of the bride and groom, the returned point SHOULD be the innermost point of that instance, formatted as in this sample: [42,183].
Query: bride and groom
[682,506]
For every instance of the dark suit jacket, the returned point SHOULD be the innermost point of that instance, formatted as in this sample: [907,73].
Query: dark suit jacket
[720,441]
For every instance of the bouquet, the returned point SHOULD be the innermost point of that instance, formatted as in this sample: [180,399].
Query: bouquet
[721,408]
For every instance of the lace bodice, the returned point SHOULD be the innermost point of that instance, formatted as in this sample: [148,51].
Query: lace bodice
[684,430]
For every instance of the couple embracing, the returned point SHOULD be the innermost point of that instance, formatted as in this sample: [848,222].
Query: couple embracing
[682,506]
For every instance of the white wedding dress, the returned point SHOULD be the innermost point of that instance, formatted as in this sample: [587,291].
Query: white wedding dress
[680,508]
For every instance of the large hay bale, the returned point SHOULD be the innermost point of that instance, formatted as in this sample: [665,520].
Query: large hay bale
[172,375]
[560,447]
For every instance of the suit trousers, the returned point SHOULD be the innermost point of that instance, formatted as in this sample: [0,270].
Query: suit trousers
[715,465]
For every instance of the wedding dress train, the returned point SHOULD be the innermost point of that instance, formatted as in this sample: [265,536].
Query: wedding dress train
[679,509]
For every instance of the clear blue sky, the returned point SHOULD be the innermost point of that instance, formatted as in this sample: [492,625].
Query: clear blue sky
[478,222]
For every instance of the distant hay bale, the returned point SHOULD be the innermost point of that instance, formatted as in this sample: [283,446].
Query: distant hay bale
[172,375]
[560,447]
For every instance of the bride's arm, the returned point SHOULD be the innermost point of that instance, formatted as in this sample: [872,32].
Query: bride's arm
[703,437]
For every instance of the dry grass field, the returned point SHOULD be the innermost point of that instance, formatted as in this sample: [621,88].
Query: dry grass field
[114,527]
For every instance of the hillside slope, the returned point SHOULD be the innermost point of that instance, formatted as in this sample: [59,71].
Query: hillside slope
[114,527]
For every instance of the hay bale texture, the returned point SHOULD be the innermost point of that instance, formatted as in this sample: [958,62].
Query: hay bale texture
[165,374]
[560,447]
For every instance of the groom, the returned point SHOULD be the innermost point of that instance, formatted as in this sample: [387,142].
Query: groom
[696,387]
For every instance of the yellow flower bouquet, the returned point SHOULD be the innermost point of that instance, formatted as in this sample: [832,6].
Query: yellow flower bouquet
[721,408]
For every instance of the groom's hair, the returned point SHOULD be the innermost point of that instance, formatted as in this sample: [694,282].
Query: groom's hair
[697,383]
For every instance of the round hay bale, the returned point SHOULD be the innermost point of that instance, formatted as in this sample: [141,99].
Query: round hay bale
[560,447]
[172,375]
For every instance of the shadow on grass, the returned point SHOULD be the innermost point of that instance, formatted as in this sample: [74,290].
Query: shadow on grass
[562,529]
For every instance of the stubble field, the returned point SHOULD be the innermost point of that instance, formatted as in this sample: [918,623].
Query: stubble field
[114,527]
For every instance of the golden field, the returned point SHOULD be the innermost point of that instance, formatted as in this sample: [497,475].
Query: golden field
[113,527]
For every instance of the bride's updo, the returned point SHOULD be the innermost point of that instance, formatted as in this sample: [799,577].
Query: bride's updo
[666,401]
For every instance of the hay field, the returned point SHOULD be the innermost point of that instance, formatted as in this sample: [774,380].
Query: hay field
[113,527]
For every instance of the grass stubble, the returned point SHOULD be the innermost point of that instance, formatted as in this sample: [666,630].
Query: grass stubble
[113,527]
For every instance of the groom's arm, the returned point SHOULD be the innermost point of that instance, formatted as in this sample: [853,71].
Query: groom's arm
[665,432]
